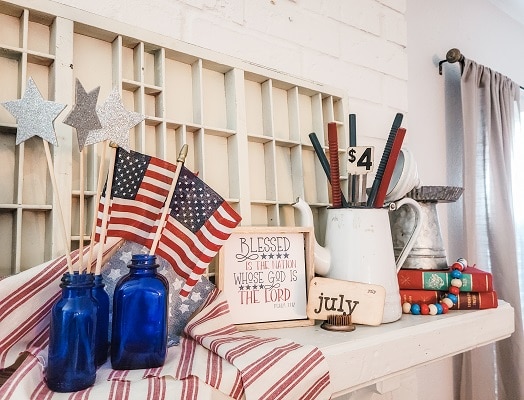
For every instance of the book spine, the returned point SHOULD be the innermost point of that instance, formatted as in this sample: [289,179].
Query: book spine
[466,300]
[479,281]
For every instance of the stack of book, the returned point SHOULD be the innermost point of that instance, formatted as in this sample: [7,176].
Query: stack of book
[429,286]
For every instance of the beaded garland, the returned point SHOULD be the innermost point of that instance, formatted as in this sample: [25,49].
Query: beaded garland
[443,306]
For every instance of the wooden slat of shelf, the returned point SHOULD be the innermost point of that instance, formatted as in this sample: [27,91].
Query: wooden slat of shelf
[219,132]
[40,58]
[259,138]
[35,57]
[29,207]
[13,53]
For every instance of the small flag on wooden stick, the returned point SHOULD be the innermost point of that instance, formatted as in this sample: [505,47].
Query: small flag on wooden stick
[199,220]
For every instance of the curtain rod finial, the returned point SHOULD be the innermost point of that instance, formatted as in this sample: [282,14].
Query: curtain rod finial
[454,55]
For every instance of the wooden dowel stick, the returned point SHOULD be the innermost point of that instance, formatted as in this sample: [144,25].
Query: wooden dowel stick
[103,229]
[99,187]
[59,206]
[180,162]
[81,217]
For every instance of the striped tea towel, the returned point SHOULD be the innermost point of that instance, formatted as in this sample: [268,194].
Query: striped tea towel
[213,360]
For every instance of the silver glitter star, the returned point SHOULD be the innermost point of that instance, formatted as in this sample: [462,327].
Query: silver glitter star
[83,116]
[116,122]
[34,115]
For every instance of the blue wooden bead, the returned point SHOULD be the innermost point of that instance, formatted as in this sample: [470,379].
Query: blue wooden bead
[439,308]
[453,298]
[415,309]
[456,274]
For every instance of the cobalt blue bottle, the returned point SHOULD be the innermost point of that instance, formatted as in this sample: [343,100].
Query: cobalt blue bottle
[139,330]
[102,321]
[71,356]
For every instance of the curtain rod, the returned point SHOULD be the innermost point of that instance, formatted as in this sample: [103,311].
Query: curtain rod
[452,56]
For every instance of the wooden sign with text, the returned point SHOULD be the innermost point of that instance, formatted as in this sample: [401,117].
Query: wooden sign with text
[264,273]
[365,302]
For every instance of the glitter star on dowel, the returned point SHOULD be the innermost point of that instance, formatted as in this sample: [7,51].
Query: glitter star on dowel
[34,115]
[116,122]
[83,116]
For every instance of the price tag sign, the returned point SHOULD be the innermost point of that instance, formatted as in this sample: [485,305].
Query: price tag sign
[360,160]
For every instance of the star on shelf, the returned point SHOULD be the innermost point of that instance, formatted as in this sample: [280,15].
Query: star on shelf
[116,122]
[34,115]
[83,116]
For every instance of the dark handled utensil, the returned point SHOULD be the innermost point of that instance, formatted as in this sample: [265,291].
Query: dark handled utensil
[384,160]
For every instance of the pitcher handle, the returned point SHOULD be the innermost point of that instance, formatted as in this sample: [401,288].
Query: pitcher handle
[416,229]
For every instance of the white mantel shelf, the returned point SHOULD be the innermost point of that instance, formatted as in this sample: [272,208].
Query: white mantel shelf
[370,355]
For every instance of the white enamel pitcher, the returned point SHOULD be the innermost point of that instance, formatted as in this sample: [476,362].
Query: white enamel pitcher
[359,248]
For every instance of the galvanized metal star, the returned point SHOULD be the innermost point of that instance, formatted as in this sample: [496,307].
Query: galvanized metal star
[83,116]
[116,122]
[34,115]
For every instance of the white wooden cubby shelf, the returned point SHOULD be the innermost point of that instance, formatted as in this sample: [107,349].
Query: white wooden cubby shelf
[247,127]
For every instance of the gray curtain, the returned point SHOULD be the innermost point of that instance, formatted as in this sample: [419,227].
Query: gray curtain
[489,105]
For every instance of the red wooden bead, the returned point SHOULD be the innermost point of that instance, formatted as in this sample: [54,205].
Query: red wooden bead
[424,309]
[454,290]
[445,308]
[457,265]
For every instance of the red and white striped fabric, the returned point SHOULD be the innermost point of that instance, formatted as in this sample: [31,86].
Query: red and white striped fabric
[213,360]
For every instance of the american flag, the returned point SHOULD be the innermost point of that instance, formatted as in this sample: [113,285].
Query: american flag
[198,224]
[140,187]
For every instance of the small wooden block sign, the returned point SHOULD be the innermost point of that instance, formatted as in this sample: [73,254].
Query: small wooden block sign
[365,302]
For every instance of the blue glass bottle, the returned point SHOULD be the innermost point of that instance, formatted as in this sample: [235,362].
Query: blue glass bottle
[71,356]
[102,321]
[139,329]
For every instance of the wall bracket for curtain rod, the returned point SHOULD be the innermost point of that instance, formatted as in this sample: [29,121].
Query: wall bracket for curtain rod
[452,56]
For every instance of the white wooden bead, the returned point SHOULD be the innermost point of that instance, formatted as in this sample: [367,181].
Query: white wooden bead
[456,282]
[448,302]
[433,309]
[406,308]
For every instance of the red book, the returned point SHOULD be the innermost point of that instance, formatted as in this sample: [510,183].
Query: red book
[473,279]
[466,300]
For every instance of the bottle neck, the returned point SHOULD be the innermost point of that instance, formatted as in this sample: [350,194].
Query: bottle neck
[143,264]
[76,284]
[141,270]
